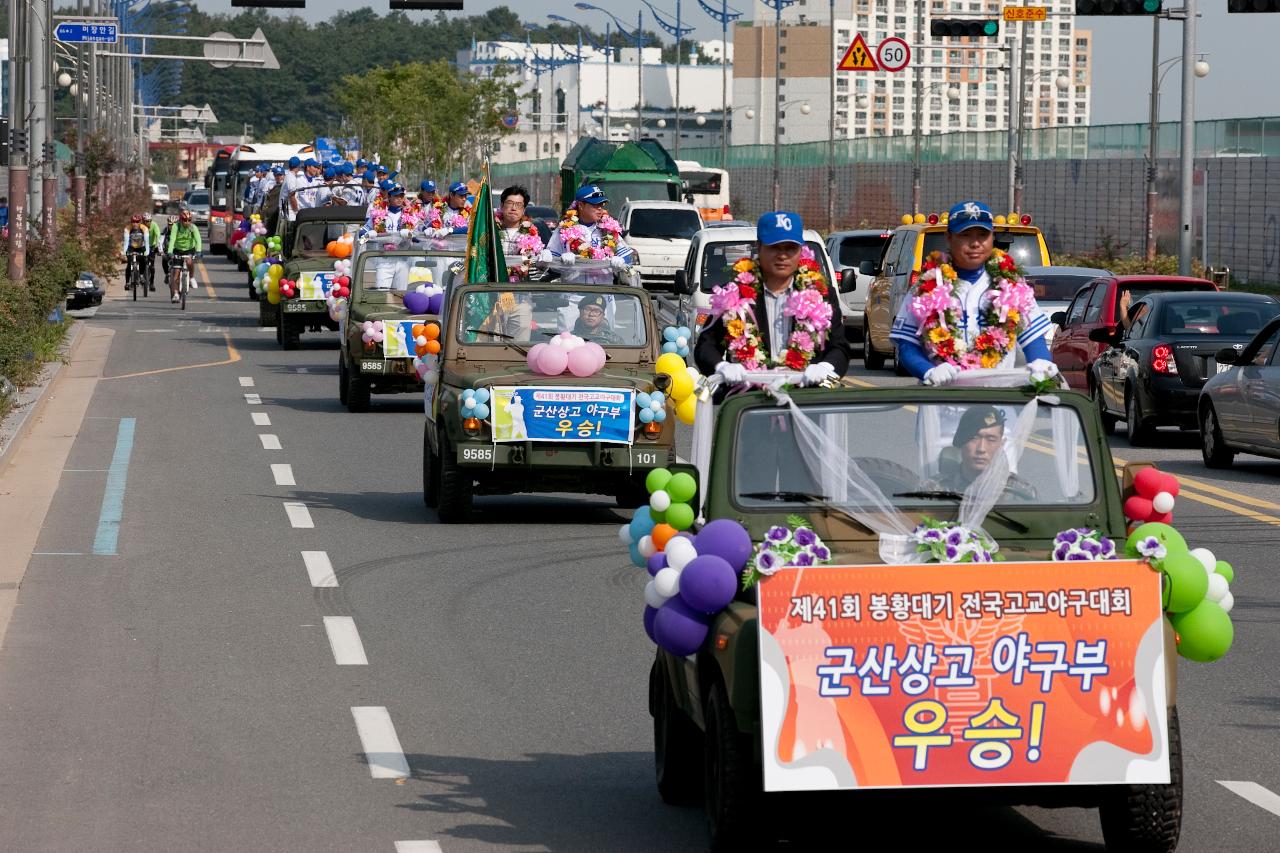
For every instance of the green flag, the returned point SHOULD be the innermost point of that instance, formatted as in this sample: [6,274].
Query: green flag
[486,261]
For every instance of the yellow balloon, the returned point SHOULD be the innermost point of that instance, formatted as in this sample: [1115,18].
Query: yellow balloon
[275,271]
[273,296]
[686,408]
[671,363]
[273,287]
[681,386]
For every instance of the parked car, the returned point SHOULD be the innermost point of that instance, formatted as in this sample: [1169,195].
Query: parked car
[545,219]
[159,197]
[1239,407]
[1056,286]
[713,250]
[730,223]
[197,201]
[1074,349]
[859,252]
[1151,374]
[85,292]
[659,232]
[911,243]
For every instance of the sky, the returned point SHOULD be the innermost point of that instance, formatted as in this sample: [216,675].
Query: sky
[1240,48]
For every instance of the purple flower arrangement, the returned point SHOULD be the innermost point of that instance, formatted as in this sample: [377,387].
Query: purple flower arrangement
[1082,543]
[945,542]
[792,545]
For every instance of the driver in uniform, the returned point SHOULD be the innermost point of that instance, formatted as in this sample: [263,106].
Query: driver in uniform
[592,324]
[979,439]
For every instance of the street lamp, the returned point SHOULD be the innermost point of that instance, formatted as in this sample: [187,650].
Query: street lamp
[725,14]
[1200,69]
[917,132]
[640,40]
[679,32]
[607,50]
[1063,82]
[777,6]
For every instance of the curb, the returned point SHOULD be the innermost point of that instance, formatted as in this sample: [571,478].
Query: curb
[24,409]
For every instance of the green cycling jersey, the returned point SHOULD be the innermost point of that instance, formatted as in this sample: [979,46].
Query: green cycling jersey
[183,238]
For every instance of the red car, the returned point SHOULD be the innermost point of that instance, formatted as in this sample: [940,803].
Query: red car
[1096,306]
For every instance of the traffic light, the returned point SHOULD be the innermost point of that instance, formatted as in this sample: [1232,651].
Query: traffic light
[1253,5]
[420,5]
[958,28]
[1119,7]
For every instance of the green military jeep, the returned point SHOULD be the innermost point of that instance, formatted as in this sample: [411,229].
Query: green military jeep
[717,712]
[529,431]
[383,271]
[308,263]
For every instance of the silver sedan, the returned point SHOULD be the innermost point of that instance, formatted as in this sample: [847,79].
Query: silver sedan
[1239,407]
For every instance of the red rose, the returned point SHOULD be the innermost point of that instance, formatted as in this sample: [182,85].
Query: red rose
[796,359]
[1006,263]
[746,291]
[746,354]
[821,287]
[928,286]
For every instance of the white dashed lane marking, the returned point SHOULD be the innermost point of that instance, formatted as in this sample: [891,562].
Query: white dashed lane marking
[261,419]
[418,847]
[253,399]
[246,381]
[344,639]
[283,474]
[1253,792]
[270,441]
[299,515]
[319,569]
[381,746]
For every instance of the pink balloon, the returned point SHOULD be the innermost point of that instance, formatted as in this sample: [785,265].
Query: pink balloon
[553,361]
[535,353]
[597,355]
[582,362]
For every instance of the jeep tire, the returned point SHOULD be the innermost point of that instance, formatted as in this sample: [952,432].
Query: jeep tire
[677,745]
[1147,818]
[456,487]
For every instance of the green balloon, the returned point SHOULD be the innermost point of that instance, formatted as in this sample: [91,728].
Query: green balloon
[1224,568]
[661,518]
[1187,582]
[1204,633]
[1170,538]
[680,516]
[657,479]
[682,488]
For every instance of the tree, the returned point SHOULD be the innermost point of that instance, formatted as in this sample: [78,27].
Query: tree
[292,131]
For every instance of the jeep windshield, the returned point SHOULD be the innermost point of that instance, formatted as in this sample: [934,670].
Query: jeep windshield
[313,237]
[719,256]
[404,272]
[921,455]
[1023,245]
[535,316]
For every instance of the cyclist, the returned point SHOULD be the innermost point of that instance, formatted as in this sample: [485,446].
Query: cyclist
[157,242]
[184,242]
[135,248]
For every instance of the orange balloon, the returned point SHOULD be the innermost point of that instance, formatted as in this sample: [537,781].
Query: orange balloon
[432,331]
[433,347]
[332,248]
[343,250]
[418,330]
[662,534]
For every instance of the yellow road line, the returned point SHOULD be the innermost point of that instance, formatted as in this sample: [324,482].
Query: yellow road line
[208,285]
[233,355]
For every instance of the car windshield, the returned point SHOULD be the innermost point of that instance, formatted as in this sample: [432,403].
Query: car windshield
[403,272]
[199,198]
[718,257]
[1023,245]
[855,250]
[916,453]
[620,192]
[313,237]
[1229,319]
[670,224]
[535,316]
[539,211]
[1057,287]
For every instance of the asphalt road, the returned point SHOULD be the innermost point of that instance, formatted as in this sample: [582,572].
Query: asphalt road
[280,649]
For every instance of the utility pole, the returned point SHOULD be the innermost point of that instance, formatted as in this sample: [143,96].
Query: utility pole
[1019,174]
[18,142]
[37,89]
[918,113]
[82,82]
[1188,153]
[1015,116]
[1152,131]
[49,190]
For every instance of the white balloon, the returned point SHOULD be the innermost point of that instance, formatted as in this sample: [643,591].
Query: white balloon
[557,341]
[652,597]
[660,501]
[1162,502]
[1206,558]
[624,533]
[682,341]
[1228,601]
[693,373]
[667,582]
[1218,588]
[680,552]
[646,547]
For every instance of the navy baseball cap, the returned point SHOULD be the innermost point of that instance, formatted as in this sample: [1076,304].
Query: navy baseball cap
[970,214]
[591,194]
[458,187]
[277,170]
[780,226]
[427,186]
[294,162]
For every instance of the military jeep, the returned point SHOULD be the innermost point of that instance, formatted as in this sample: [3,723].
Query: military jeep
[384,269]
[308,263]
[708,726]
[542,433]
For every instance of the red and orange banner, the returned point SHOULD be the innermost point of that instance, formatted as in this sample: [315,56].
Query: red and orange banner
[972,674]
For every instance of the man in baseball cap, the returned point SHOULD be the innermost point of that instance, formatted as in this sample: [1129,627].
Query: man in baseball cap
[427,192]
[780,243]
[589,203]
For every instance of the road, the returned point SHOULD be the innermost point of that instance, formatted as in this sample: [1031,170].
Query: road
[278,648]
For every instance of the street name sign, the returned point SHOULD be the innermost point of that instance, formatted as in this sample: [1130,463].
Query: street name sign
[91,32]
[1026,13]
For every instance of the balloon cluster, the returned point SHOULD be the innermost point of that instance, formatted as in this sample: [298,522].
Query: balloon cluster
[566,351]
[426,338]
[372,332]
[339,291]
[257,226]
[341,247]
[288,288]
[475,403]
[1154,500]
[676,339]
[271,282]
[653,407]
[683,382]
[424,299]
[1197,589]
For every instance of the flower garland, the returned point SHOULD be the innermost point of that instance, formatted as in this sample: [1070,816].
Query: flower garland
[411,216]
[945,542]
[1082,543]
[807,306]
[796,545]
[528,245]
[576,237]
[939,309]
[441,219]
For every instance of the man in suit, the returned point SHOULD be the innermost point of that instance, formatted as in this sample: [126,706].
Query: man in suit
[779,242]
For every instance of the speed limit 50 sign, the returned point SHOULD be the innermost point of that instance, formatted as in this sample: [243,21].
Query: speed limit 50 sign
[893,54]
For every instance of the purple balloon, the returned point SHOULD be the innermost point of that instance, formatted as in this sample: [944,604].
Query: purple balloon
[657,562]
[435,303]
[708,583]
[679,628]
[650,614]
[416,303]
[728,540]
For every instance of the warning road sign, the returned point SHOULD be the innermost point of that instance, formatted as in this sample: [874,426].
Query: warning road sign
[858,57]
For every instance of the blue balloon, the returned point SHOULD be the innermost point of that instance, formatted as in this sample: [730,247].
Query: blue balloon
[659,416]
[481,410]
[685,332]
[658,397]
[683,352]
[468,394]
[641,523]
[637,557]
[482,395]
[262,269]
[646,416]
[643,399]
[670,333]
[669,346]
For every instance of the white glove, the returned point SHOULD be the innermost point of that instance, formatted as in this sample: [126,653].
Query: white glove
[546,257]
[617,263]
[732,373]
[818,372]
[1043,367]
[567,259]
[941,374]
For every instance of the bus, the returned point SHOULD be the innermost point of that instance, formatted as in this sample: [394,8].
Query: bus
[707,189]
[215,180]
[240,169]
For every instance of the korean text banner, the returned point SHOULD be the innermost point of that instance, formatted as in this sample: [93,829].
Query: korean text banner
[970,674]
[563,414]
[314,285]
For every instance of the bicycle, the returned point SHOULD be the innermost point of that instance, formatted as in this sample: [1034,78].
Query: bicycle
[133,275]
[185,263]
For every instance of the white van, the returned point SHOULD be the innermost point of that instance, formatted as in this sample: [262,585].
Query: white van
[659,232]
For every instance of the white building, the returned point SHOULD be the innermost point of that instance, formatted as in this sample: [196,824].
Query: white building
[881,103]
[557,105]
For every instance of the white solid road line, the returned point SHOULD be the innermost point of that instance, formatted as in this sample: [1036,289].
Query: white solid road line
[319,569]
[302,370]
[246,381]
[268,329]
[1256,794]
[418,847]
[253,399]
[270,441]
[381,746]
[261,419]
[299,515]
[283,472]
[344,639]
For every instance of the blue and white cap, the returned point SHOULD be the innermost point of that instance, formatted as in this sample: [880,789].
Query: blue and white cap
[458,188]
[369,176]
[310,162]
[427,186]
[590,194]
[329,173]
[261,167]
[970,214]
[385,185]
[347,169]
[378,167]
[392,188]
[361,163]
[295,161]
[780,226]
[277,169]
